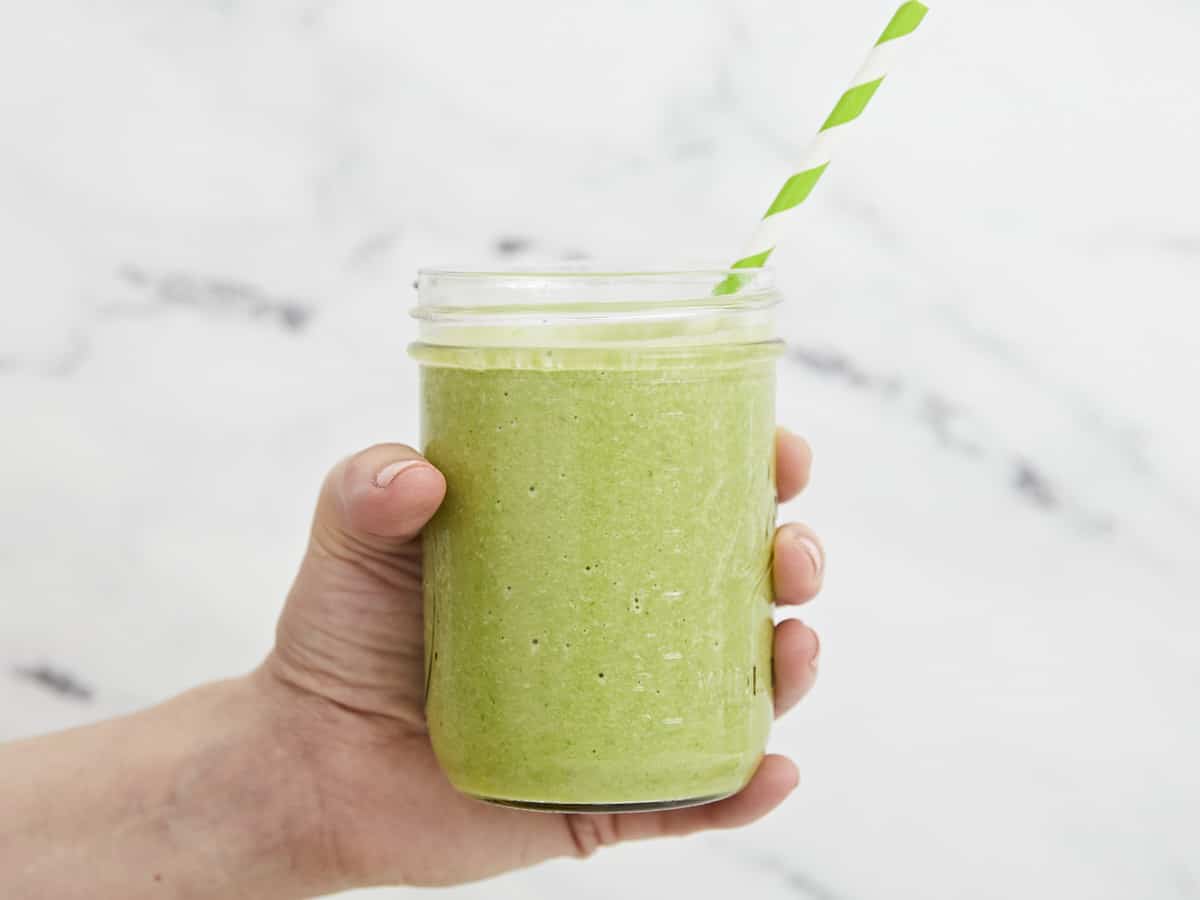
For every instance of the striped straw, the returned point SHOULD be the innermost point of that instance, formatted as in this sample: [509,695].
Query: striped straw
[816,160]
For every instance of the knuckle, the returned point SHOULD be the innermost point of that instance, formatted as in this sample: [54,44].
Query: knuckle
[590,832]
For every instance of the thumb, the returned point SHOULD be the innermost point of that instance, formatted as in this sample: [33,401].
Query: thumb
[377,500]
[351,630]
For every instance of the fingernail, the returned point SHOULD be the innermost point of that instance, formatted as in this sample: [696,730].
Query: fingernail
[388,473]
[817,652]
[813,551]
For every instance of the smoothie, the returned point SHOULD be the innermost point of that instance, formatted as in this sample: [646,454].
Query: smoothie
[598,593]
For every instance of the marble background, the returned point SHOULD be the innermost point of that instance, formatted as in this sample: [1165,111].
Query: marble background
[210,214]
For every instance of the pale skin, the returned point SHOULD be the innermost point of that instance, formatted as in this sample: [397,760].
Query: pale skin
[314,773]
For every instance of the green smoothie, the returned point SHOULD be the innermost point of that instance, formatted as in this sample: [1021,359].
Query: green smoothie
[597,583]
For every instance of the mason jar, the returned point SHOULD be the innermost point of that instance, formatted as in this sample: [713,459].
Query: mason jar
[598,606]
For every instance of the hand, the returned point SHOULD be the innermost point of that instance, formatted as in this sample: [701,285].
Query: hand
[346,681]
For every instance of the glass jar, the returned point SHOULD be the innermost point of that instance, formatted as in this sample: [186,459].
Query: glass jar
[597,582]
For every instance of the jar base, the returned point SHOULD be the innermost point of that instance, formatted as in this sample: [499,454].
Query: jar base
[639,806]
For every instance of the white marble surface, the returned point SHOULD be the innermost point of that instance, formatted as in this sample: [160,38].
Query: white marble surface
[210,214]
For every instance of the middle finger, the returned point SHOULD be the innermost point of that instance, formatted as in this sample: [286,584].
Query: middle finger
[799,564]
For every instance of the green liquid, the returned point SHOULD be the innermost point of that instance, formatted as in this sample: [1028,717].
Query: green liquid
[597,582]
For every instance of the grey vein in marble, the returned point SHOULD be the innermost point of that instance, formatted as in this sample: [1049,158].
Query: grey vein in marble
[216,294]
[56,680]
[512,245]
[946,421]
[799,883]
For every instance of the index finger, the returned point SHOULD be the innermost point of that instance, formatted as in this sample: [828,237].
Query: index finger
[793,464]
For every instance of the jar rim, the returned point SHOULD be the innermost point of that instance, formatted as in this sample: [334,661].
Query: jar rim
[577,288]
[587,271]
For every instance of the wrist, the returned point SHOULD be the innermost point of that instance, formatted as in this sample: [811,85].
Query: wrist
[239,800]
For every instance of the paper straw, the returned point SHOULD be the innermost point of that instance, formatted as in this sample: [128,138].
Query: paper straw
[816,159]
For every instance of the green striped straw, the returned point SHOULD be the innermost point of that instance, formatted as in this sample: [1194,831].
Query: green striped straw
[816,160]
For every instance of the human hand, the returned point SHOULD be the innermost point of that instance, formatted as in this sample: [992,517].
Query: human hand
[345,686]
